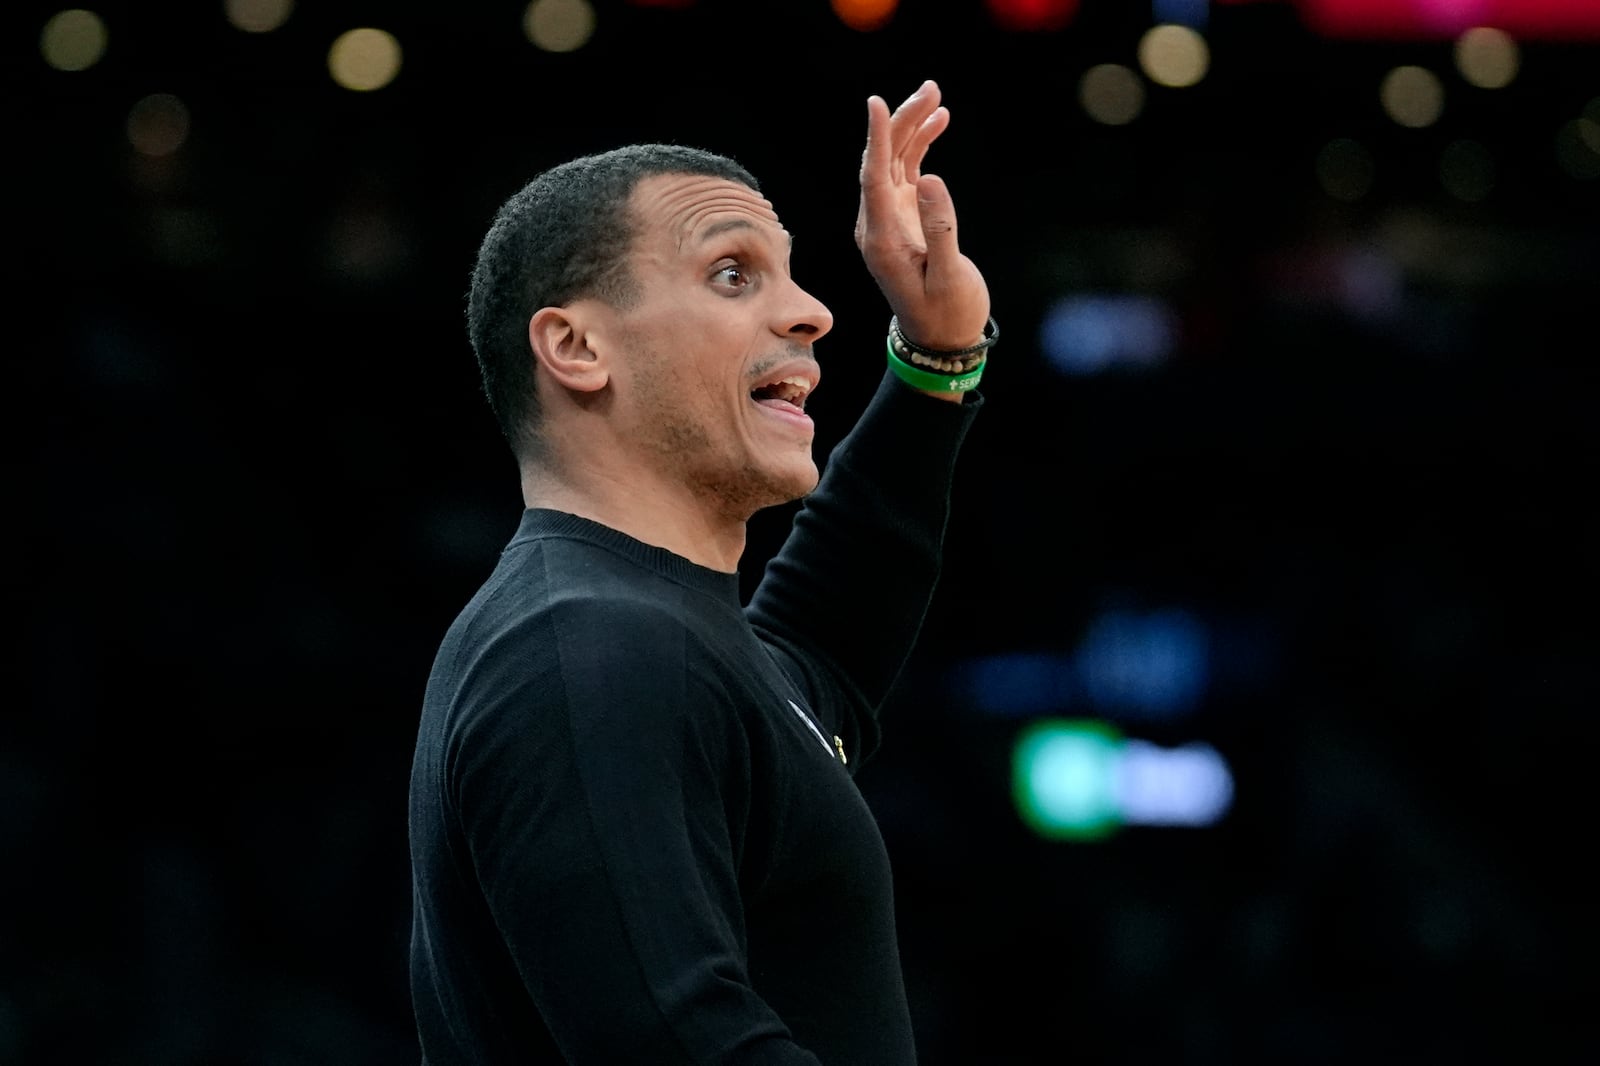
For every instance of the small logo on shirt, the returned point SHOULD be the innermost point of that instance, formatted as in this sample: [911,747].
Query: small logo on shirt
[836,749]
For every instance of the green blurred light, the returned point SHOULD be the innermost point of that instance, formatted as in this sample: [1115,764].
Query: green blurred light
[1064,778]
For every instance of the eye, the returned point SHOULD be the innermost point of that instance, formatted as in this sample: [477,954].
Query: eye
[731,276]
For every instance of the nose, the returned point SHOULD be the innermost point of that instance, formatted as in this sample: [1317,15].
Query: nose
[804,317]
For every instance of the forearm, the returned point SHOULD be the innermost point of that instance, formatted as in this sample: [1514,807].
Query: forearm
[858,571]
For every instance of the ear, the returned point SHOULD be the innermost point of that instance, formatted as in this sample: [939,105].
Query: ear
[559,338]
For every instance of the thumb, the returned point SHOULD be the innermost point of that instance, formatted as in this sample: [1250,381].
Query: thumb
[937,212]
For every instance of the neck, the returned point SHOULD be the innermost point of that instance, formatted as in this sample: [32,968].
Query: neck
[681,524]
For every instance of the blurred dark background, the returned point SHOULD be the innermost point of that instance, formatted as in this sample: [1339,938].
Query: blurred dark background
[1285,491]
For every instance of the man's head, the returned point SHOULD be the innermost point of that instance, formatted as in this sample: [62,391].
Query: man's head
[669,346]
[565,235]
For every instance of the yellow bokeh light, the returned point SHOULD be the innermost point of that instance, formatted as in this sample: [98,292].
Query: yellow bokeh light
[865,15]
[1578,149]
[1174,56]
[258,16]
[1589,133]
[1487,57]
[158,125]
[1111,93]
[1345,169]
[1412,96]
[73,39]
[559,25]
[364,59]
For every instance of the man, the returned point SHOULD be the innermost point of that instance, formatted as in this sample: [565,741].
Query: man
[635,836]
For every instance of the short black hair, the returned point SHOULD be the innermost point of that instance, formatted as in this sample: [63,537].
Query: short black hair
[562,237]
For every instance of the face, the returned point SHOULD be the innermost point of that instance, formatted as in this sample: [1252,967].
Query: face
[712,362]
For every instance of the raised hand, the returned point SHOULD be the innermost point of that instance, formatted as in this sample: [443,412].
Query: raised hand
[906,227]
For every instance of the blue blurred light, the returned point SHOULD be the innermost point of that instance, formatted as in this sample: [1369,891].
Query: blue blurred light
[1018,683]
[1187,785]
[1152,665]
[1087,334]
[1191,13]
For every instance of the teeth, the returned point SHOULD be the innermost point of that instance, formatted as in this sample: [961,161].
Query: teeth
[800,383]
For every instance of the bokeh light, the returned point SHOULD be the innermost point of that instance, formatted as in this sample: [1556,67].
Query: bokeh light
[1412,96]
[1578,148]
[258,16]
[1589,133]
[1174,56]
[158,125]
[559,25]
[1345,169]
[73,39]
[1487,57]
[364,59]
[1064,778]
[1587,126]
[1111,94]
[865,15]
[1086,333]
[1032,16]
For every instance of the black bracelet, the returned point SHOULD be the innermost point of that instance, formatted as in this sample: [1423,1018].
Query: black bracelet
[965,360]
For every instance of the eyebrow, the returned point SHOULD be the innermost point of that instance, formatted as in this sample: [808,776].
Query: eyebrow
[717,229]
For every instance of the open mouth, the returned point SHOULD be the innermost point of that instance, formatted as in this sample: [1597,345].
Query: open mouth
[790,390]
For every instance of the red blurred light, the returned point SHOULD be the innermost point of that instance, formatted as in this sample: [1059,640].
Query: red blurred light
[1443,19]
[1032,15]
[865,15]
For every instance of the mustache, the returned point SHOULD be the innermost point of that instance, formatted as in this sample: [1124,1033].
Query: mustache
[794,353]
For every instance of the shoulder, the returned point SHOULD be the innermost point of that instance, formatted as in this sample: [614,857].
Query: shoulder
[593,681]
[628,647]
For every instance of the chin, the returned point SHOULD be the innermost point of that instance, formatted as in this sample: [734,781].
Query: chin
[786,486]
[805,480]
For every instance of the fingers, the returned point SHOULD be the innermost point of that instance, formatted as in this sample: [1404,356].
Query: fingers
[877,195]
[910,129]
[896,215]
[875,160]
[906,224]
[897,143]
[917,147]
[913,110]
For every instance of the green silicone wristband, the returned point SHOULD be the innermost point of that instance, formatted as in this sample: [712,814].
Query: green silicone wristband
[928,380]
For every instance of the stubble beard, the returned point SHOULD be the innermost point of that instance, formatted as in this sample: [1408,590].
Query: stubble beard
[735,494]
[689,453]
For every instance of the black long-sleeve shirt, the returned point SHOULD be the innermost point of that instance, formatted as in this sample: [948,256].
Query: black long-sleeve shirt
[635,836]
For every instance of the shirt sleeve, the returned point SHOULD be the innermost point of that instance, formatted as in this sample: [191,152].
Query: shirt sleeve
[843,600]
[619,808]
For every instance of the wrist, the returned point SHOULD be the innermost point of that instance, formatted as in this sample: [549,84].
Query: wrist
[944,373]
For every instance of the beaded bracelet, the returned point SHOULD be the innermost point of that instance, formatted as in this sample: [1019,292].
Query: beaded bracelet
[929,380]
[904,345]
[966,363]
